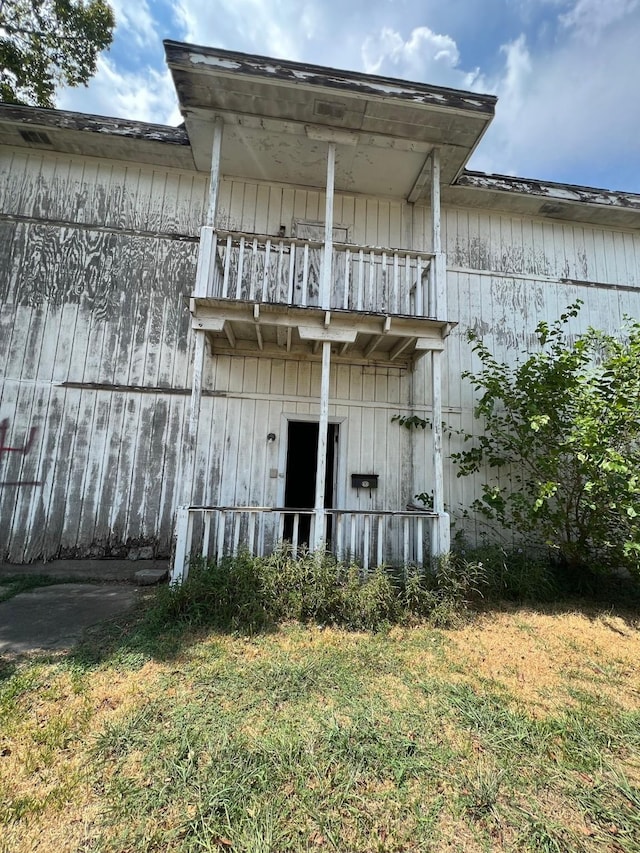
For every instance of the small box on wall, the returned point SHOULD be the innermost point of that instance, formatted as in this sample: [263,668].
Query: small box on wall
[364,481]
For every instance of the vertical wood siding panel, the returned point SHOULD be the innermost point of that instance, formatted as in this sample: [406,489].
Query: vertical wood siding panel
[274,211]
[142,431]
[170,490]
[360,222]
[154,467]
[31,412]
[172,220]
[10,464]
[249,207]
[230,206]
[108,476]
[286,213]
[299,206]
[383,231]
[231,452]
[277,376]
[262,209]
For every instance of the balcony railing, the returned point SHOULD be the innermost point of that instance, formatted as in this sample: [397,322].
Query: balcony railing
[367,538]
[287,270]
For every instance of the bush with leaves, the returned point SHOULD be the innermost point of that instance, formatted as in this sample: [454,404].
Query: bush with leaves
[562,439]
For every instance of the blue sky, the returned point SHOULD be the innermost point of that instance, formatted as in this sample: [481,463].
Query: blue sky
[566,71]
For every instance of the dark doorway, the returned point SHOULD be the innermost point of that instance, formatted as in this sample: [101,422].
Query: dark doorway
[300,482]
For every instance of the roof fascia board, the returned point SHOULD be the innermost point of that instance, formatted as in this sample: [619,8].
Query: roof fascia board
[553,191]
[117,127]
[197,58]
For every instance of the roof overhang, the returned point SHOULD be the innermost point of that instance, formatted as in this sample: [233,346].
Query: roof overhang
[94,136]
[279,116]
[544,198]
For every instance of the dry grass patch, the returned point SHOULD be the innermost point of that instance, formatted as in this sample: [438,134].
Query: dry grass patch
[547,659]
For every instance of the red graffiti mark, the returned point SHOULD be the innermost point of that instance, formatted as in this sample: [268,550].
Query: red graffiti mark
[4,448]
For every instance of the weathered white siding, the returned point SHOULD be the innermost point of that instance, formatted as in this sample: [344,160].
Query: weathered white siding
[263,208]
[94,352]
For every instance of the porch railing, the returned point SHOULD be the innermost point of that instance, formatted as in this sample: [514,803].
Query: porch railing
[368,538]
[287,270]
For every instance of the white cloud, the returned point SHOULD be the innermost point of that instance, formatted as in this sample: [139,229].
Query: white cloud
[569,113]
[588,18]
[278,28]
[424,56]
[136,21]
[145,95]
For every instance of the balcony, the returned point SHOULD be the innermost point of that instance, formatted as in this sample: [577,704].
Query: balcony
[287,271]
[369,539]
[259,292]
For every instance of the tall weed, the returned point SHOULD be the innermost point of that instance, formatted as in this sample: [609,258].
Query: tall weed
[252,593]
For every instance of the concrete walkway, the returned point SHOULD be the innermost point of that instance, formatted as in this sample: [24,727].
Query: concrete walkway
[54,617]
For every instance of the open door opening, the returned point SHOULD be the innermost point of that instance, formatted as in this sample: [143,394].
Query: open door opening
[300,477]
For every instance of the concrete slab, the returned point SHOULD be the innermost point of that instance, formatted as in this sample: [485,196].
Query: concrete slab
[95,570]
[54,617]
[149,577]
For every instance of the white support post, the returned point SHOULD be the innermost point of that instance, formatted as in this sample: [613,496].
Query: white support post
[180,568]
[325,287]
[440,541]
[321,460]
[206,259]
[435,201]
[438,290]
[214,183]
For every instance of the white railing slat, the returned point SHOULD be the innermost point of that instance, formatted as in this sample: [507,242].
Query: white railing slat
[370,538]
[240,268]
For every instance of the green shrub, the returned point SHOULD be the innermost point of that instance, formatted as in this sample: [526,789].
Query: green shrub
[252,593]
[557,452]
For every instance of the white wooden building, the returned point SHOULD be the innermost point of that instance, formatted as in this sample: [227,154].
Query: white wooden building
[212,326]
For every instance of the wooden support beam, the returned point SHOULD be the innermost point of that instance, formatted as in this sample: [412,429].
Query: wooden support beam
[205,260]
[336,336]
[191,441]
[321,459]
[400,347]
[229,333]
[441,533]
[373,345]
[435,200]
[420,183]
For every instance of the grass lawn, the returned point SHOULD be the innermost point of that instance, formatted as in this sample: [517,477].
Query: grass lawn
[519,730]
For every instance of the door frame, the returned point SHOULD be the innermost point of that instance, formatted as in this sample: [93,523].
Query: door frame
[340,459]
